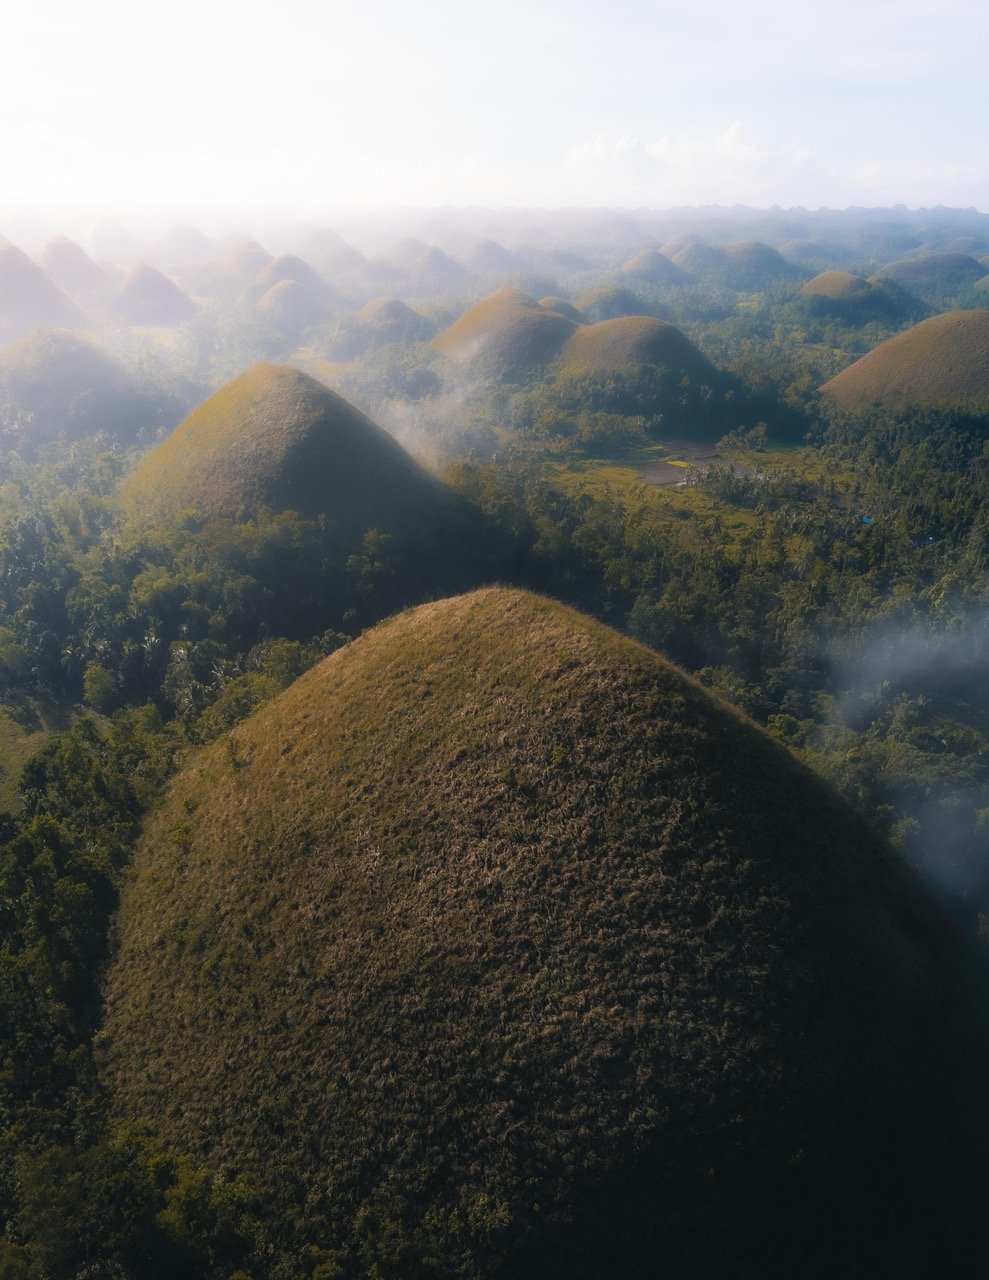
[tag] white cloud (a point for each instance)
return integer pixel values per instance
(727, 167)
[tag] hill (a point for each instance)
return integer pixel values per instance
(490, 256)
(392, 320)
(29, 298)
(286, 266)
(634, 343)
(609, 302)
(146, 297)
(496, 947)
(56, 383)
(941, 361)
(749, 264)
(560, 305)
(73, 270)
(934, 270)
(653, 267)
(275, 437)
(508, 332)
(289, 308)
(836, 286)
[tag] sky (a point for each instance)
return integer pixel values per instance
(312, 104)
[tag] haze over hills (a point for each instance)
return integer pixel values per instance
(508, 331)
(940, 361)
(57, 383)
(29, 298)
(147, 297)
(549, 957)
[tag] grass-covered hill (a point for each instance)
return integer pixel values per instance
(496, 947)
(490, 256)
(937, 270)
(289, 308)
(146, 297)
(276, 438)
(609, 302)
(750, 264)
(634, 343)
(287, 266)
(390, 319)
(508, 332)
(941, 361)
(29, 297)
(653, 267)
(55, 383)
(560, 305)
(836, 286)
(73, 270)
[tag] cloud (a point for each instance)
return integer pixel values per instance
(727, 168)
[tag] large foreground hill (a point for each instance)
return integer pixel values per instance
(495, 947)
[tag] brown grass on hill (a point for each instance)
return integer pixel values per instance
(941, 361)
(836, 285)
(497, 946)
(634, 342)
(275, 437)
(508, 331)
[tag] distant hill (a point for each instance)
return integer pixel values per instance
(836, 286)
(146, 297)
(750, 265)
(287, 266)
(74, 271)
(941, 361)
(507, 332)
(702, 261)
(276, 438)
(290, 308)
(609, 302)
(183, 246)
(933, 268)
(563, 308)
(497, 946)
(632, 343)
(490, 256)
(29, 298)
(853, 298)
(392, 320)
(55, 383)
(652, 267)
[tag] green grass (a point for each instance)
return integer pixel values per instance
(495, 946)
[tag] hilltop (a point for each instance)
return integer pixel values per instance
(497, 946)
(275, 437)
(508, 332)
(30, 298)
(73, 270)
(146, 297)
(289, 308)
(941, 361)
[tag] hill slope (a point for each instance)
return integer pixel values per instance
(496, 947)
(634, 343)
(275, 437)
(29, 298)
(941, 361)
(508, 332)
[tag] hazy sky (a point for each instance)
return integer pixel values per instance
(616, 102)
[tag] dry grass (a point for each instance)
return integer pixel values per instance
(941, 361)
(495, 940)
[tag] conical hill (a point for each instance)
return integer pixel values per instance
(275, 437)
(507, 331)
(942, 361)
(497, 947)
(29, 298)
